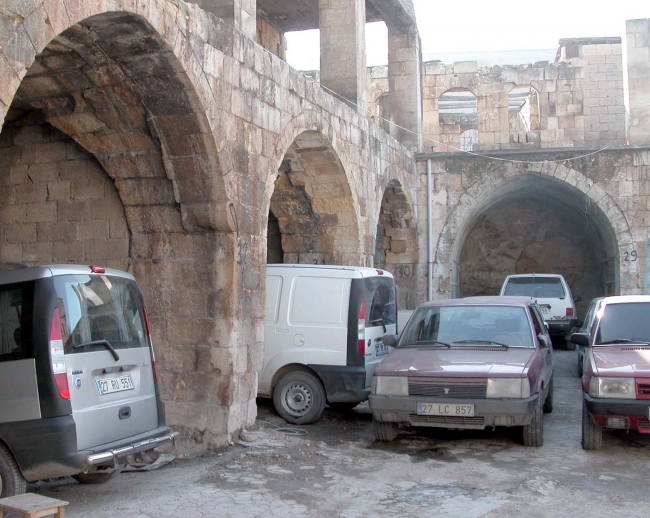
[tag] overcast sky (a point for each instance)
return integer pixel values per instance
(489, 25)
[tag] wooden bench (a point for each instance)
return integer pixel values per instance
(31, 505)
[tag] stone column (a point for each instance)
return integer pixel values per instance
(405, 80)
(638, 74)
(343, 49)
(241, 14)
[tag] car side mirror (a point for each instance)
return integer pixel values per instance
(575, 322)
(543, 341)
(581, 339)
(390, 340)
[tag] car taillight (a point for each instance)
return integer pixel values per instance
(569, 313)
(57, 356)
(153, 356)
(362, 328)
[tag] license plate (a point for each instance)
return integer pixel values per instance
(445, 409)
(111, 385)
(545, 311)
(381, 348)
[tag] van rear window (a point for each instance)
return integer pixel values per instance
(16, 322)
(538, 287)
(100, 307)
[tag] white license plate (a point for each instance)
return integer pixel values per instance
(381, 348)
(110, 385)
(445, 409)
(545, 311)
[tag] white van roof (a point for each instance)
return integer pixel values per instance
(519, 275)
(348, 272)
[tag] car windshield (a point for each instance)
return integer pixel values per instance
(624, 324)
(468, 325)
(537, 287)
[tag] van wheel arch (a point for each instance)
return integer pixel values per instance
(12, 481)
(292, 367)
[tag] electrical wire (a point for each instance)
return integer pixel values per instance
(347, 101)
(294, 432)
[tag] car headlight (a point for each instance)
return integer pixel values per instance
(619, 388)
(390, 386)
(518, 388)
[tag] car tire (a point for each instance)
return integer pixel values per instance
(592, 435)
(299, 398)
(97, 477)
(384, 431)
(342, 407)
(12, 481)
(533, 433)
(548, 402)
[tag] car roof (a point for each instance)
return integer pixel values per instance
(32, 273)
(495, 300)
(520, 275)
(348, 271)
(623, 299)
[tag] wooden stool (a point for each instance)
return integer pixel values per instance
(31, 505)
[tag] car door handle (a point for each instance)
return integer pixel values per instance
(125, 412)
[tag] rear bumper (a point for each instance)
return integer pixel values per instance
(559, 327)
(47, 448)
(487, 412)
(343, 384)
(636, 411)
(111, 456)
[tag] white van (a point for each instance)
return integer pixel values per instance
(324, 336)
(553, 296)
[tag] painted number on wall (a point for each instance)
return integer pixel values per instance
(405, 270)
(630, 256)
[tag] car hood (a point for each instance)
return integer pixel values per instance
(462, 362)
(622, 361)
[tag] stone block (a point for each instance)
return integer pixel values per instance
(37, 253)
(41, 212)
(465, 67)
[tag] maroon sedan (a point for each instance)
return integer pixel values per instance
(616, 379)
(467, 363)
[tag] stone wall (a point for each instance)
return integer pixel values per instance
(271, 39)
(57, 205)
(638, 75)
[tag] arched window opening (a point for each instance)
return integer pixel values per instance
(523, 115)
(458, 114)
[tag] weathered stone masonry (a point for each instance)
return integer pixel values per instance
(183, 123)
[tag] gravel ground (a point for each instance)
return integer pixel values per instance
(337, 470)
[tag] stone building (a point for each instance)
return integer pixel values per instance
(171, 139)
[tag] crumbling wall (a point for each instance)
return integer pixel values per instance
(271, 38)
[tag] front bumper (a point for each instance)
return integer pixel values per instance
(487, 412)
(637, 411)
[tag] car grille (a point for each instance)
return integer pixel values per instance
(643, 389)
(436, 387)
(442, 421)
(644, 425)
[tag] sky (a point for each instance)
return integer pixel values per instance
(448, 26)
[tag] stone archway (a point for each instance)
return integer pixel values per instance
(314, 205)
(396, 243)
(117, 108)
(568, 188)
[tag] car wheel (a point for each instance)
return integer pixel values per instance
(592, 435)
(95, 477)
(548, 402)
(299, 398)
(533, 433)
(12, 481)
(384, 431)
(342, 407)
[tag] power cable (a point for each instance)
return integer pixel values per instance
(295, 432)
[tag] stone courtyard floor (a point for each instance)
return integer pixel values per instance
(337, 470)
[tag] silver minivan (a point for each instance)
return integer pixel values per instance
(78, 383)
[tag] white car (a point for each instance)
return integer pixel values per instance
(553, 296)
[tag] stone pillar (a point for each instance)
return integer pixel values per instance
(405, 80)
(241, 14)
(343, 49)
(638, 77)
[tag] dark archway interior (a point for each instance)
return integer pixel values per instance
(540, 228)
(312, 218)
